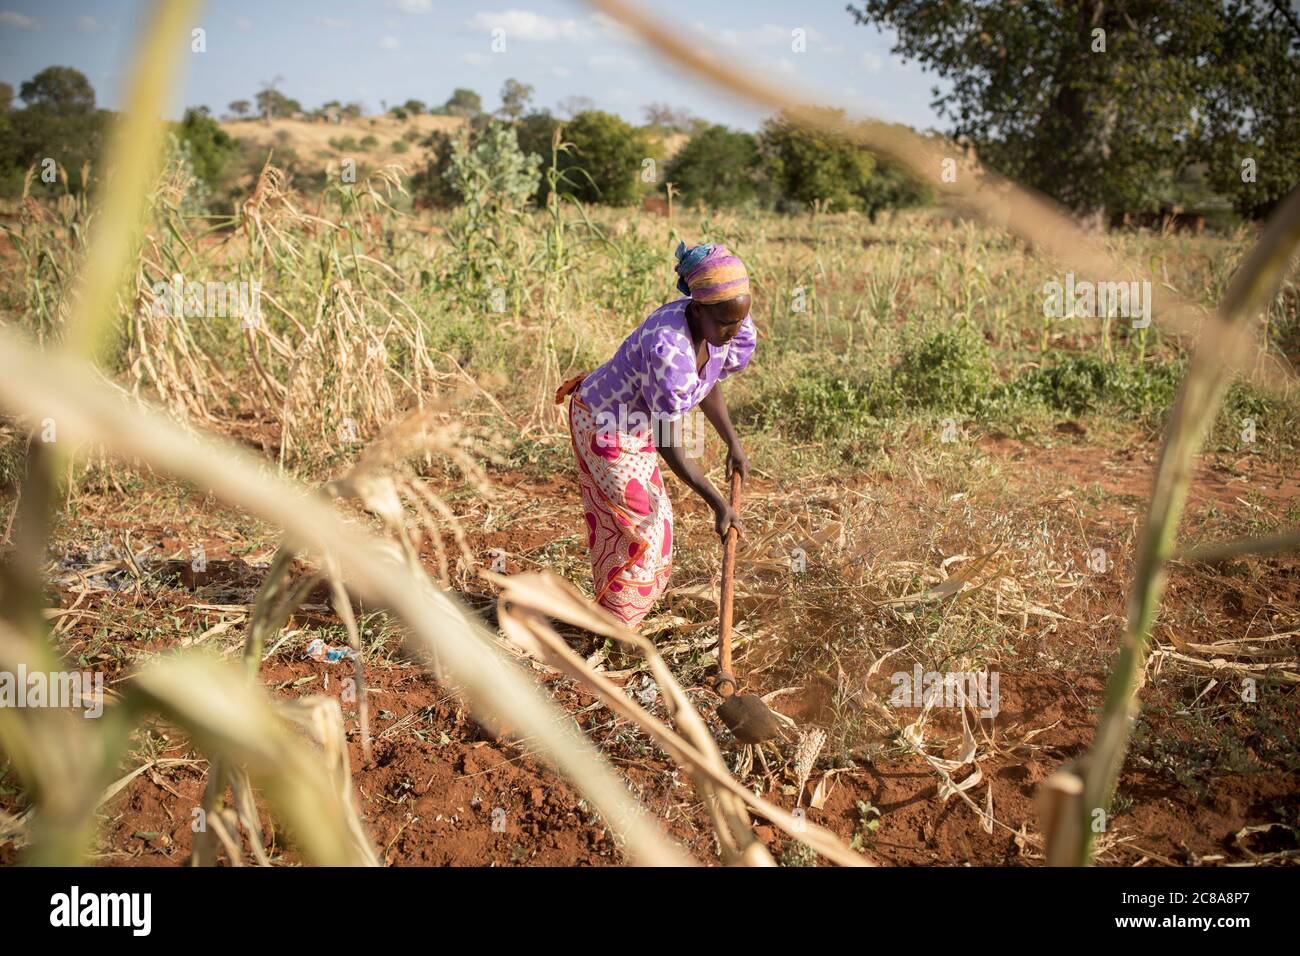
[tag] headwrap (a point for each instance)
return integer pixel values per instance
(710, 273)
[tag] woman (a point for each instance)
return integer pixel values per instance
(633, 409)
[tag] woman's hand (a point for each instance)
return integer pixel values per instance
(724, 518)
(737, 460)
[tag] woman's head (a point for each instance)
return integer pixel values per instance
(718, 285)
(718, 322)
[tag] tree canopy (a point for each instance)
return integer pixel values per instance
(807, 166)
(1104, 103)
(718, 167)
(58, 88)
(59, 123)
(463, 102)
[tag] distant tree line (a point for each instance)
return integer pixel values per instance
(59, 132)
(59, 121)
(599, 157)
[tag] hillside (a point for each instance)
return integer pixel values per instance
(318, 142)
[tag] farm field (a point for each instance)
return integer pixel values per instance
(316, 551)
(917, 422)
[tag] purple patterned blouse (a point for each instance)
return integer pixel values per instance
(654, 370)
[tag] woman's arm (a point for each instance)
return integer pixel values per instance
(672, 449)
(715, 410)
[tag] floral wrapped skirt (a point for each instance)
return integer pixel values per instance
(628, 513)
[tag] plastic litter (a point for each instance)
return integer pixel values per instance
(318, 650)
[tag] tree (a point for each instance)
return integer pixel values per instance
(892, 186)
(6, 97)
(571, 106)
(59, 88)
(59, 122)
(515, 97)
(610, 152)
(492, 174)
(463, 102)
(239, 107)
(272, 103)
(536, 135)
(1252, 128)
(415, 107)
(718, 167)
(209, 146)
(1101, 103)
(806, 165)
(429, 184)
(670, 119)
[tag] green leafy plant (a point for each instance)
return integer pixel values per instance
(868, 824)
(949, 370)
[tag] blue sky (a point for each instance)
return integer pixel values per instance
(391, 50)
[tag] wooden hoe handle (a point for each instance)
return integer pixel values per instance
(726, 684)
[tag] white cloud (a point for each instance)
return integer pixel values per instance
(412, 6)
(871, 63)
(560, 70)
(474, 59)
(768, 35)
(527, 25)
(333, 23)
(88, 24)
(390, 43)
(11, 18)
(610, 61)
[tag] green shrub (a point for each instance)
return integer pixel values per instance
(819, 402)
(1272, 416)
(209, 147)
(1145, 391)
(947, 371)
(1076, 384)
(492, 174)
